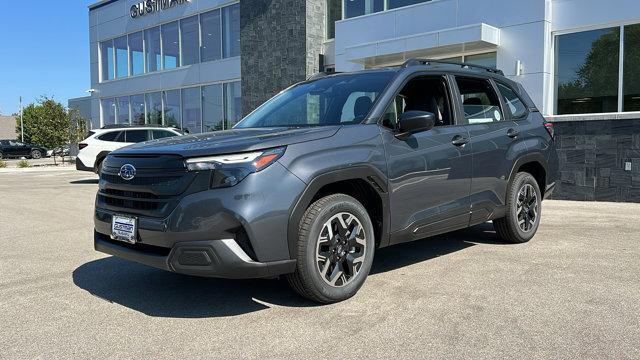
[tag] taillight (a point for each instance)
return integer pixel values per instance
(82, 146)
(549, 127)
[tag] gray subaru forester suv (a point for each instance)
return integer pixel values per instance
(312, 182)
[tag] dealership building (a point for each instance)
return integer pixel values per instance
(202, 64)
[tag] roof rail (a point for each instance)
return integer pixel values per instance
(125, 126)
(322, 74)
(416, 62)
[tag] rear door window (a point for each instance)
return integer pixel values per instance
(479, 101)
(136, 136)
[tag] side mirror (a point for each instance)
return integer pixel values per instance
(412, 122)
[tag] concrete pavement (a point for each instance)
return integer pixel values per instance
(572, 292)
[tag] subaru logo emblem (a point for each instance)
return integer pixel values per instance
(127, 172)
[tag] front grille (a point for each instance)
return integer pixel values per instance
(158, 185)
(131, 194)
(144, 206)
(158, 181)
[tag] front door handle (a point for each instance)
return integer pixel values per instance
(460, 140)
(513, 133)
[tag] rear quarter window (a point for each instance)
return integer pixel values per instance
(115, 136)
(515, 106)
(160, 134)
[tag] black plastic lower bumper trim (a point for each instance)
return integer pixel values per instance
(210, 258)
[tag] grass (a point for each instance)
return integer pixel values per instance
(23, 164)
(3, 164)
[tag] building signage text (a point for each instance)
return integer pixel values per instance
(150, 6)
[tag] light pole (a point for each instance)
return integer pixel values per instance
(21, 122)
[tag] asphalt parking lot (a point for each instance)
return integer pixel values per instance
(572, 292)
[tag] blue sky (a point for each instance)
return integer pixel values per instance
(44, 50)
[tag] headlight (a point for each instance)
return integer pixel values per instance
(228, 170)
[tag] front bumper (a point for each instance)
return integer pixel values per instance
(208, 258)
(236, 232)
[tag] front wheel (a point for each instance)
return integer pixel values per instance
(524, 205)
(335, 249)
(36, 154)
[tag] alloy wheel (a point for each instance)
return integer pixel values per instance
(527, 207)
(341, 249)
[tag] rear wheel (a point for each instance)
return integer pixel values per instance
(1, 155)
(36, 154)
(524, 205)
(335, 249)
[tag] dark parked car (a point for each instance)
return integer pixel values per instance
(311, 183)
(15, 148)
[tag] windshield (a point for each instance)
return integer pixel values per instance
(333, 100)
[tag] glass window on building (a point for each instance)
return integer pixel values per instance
(170, 46)
(153, 56)
(212, 108)
(400, 3)
(108, 112)
(154, 108)
(137, 109)
(211, 36)
(487, 59)
(334, 13)
(231, 30)
(191, 112)
(172, 111)
(586, 73)
(353, 8)
(631, 78)
(190, 40)
(122, 108)
(136, 53)
(107, 60)
(122, 57)
(233, 104)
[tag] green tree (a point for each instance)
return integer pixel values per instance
(46, 123)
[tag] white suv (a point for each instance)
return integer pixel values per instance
(103, 141)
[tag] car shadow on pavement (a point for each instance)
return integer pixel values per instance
(160, 293)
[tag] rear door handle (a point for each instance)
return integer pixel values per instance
(460, 140)
(513, 133)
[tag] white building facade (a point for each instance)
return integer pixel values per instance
(202, 64)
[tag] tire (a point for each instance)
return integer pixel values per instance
(1, 155)
(99, 166)
(347, 259)
(521, 223)
(36, 154)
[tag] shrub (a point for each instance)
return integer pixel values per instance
(3, 164)
(23, 164)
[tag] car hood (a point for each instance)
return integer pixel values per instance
(228, 141)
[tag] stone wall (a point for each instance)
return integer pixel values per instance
(279, 45)
(593, 155)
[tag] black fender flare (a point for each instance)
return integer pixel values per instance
(529, 158)
(368, 173)
(99, 158)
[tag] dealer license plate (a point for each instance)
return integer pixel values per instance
(123, 228)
